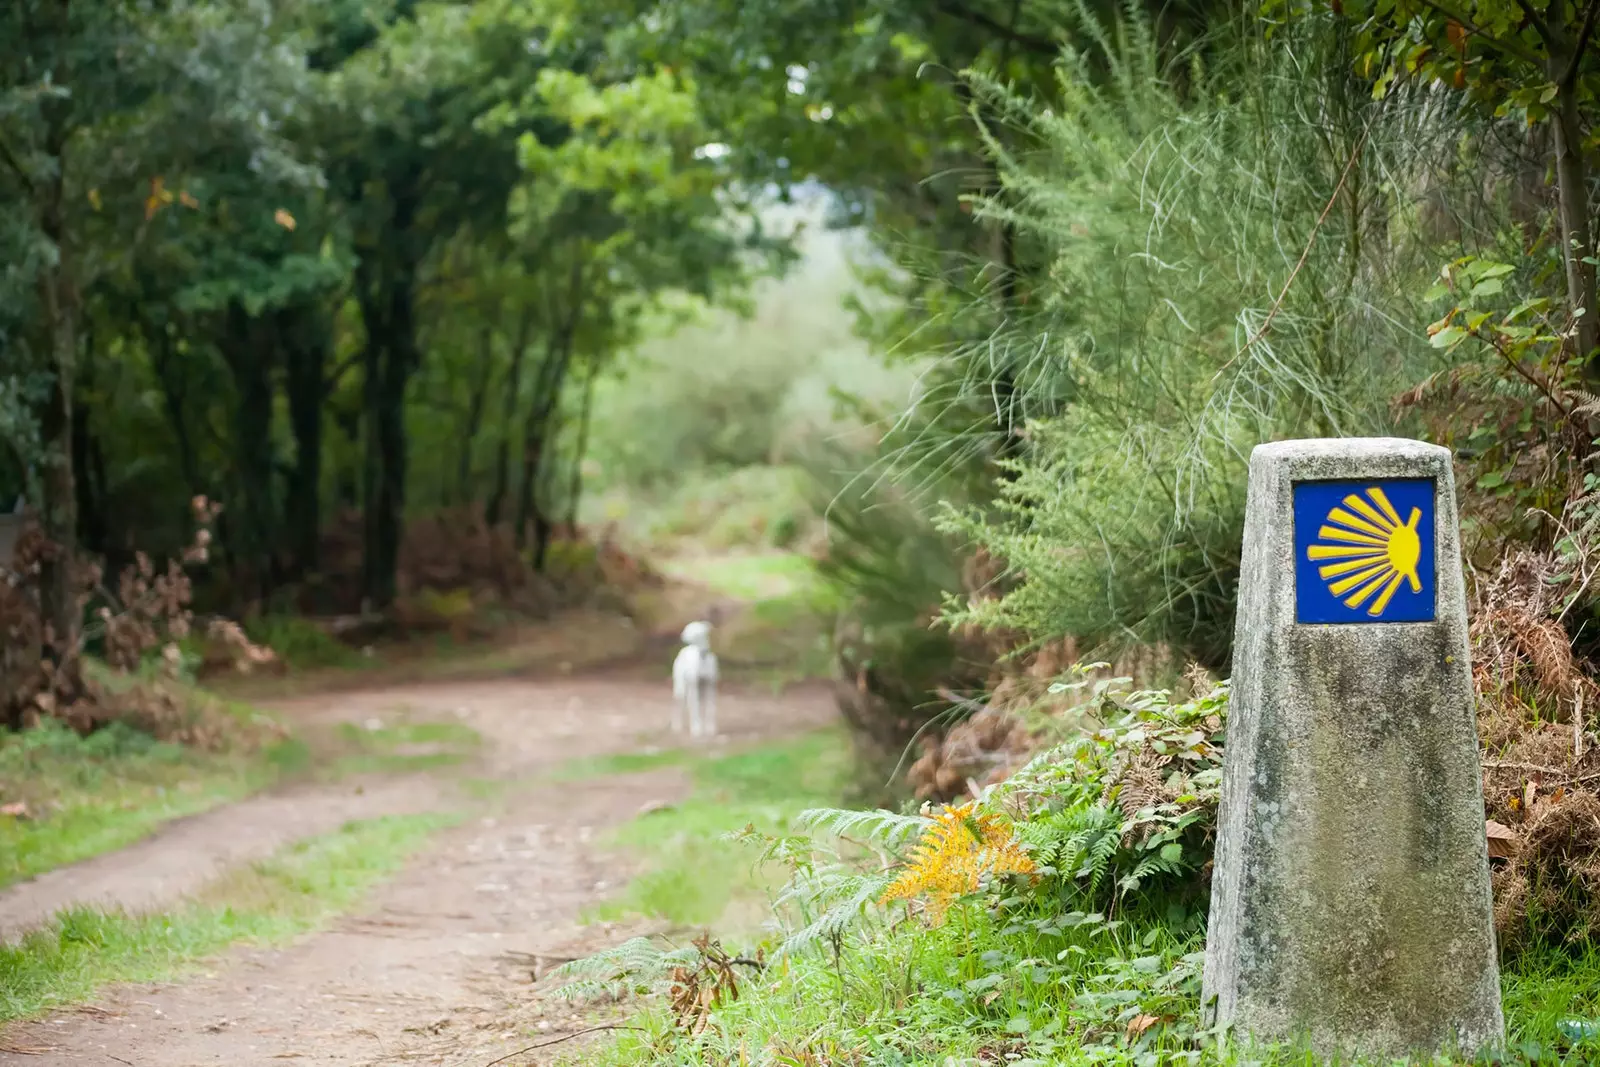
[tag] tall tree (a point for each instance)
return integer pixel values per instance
(1535, 58)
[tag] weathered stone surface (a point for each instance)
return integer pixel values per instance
(1350, 898)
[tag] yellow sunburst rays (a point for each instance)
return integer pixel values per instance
(1373, 551)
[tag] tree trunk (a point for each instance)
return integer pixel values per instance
(532, 460)
(305, 369)
(475, 405)
(89, 483)
(391, 357)
(386, 292)
(173, 396)
(58, 511)
(250, 349)
(581, 447)
(537, 430)
(1572, 185)
(502, 453)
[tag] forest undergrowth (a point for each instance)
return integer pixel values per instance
(1276, 232)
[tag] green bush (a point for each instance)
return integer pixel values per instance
(732, 391)
(1092, 957)
(889, 569)
(1222, 271)
(300, 643)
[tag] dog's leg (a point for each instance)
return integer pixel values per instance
(711, 706)
(692, 693)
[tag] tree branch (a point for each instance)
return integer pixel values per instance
(1540, 25)
(1584, 33)
(1509, 47)
(564, 1037)
(957, 10)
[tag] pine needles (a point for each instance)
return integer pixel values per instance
(1234, 257)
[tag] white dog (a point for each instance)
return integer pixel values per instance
(694, 682)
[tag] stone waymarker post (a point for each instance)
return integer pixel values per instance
(1350, 896)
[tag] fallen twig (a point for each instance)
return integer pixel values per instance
(564, 1037)
(1510, 765)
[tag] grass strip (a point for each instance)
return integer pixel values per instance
(692, 874)
(83, 796)
(269, 902)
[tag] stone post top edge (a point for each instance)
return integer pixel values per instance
(1338, 448)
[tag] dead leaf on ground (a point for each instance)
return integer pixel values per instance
(1503, 841)
(435, 1027)
(1140, 1023)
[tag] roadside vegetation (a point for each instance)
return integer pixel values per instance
(69, 798)
(400, 335)
(268, 903)
(694, 876)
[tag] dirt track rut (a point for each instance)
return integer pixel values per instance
(437, 967)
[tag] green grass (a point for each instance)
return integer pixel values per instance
(86, 796)
(405, 748)
(785, 633)
(692, 875)
(1547, 987)
(301, 644)
(298, 889)
(620, 763)
(1013, 977)
(750, 577)
(973, 993)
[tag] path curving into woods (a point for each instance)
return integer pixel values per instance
(439, 962)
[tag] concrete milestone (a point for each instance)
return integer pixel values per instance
(1350, 897)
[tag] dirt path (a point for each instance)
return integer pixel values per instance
(188, 853)
(430, 970)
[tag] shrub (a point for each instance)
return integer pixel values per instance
(1059, 911)
(1223, 270)
(300, 643)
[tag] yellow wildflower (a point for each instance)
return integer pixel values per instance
(954, 855)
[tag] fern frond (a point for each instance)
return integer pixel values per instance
(847, 911)
(883, 829)
(636, 963)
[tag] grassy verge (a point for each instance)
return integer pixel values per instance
(972, 993)
(404, 748)
(692, 875)
(621, 763)
(85, 796)
(784, 634)
(1092, 956)
(265, 903)
(755, 507)
(751, 577)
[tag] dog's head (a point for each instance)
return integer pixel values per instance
(697, 633)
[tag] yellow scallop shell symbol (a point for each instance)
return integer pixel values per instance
(1370, 551)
